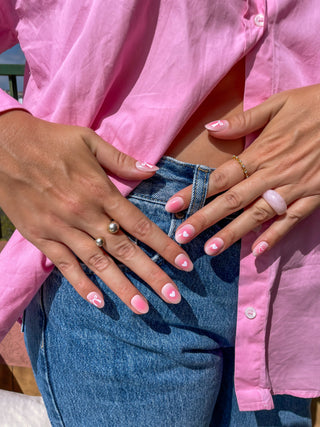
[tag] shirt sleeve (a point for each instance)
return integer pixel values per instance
(8, 39)
(8, 23)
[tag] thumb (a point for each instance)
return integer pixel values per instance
(246, 122)
(117, 162)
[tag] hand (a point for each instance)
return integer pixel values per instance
(285, 157)
(55, 190)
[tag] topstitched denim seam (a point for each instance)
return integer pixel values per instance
(43, 352)
(147, 199)
(201, 182)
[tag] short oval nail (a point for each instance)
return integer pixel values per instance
(217, 125)
(171, 293)
(174, 204)
(215, 246)
(146, 167)
(260, 248)
(185, 233)
(182, 261)
(95, 299)
(140, 304)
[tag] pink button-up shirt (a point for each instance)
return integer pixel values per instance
(134, 72)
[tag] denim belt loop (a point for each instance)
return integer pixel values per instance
(199, 188)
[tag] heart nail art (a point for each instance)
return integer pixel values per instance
(183, 262)
(95, 299)
(171, 294)
(185, 233)
(214, 247)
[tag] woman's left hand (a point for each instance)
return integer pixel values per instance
(285, 157)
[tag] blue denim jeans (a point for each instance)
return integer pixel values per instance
(170, 367)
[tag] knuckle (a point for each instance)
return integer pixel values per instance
(113, 204)
(87, 134)
(121, 159)
(64, 266)
(261, 214)
(142, 228)
(294, 216)
(232, 200)
(219, 179)
(169, 249)
(230, 235)
(99, 262)
(157, 275)
(124, 250)
(240, 120)
(75, 205)
(201, 220)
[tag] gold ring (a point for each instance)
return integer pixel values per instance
(244, 169)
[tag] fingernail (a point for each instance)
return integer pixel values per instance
(140, 304)
(182, 261)
(185, 233)
(146, 167)
(214, 247)
(95, 299)
(217, 125)
(174, 204)
(171, 293)
(260, 248)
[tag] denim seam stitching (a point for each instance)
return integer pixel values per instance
(204, 189)
(43, 353)
(147, 199)
(194, 191)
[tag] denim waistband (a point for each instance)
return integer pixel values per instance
(172, 176)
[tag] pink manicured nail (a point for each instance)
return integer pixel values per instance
(185, 233)
(95, 299)
(214, 246)
(217, 125)
(173, 205)
(183, 262)
(260, 248)
(140, 304)
(146, 167)
(171, 293)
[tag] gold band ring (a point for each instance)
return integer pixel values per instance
(244, 169)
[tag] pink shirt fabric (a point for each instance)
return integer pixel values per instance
(134, 72)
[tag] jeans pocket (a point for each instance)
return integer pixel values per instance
(156, 212)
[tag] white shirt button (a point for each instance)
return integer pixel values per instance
(259, 20)
(250, 312)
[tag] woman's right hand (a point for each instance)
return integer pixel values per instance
(55, 189)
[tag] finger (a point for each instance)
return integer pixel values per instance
(68, 265)
(258, 213)
(233, 200)
(133, 221)
(125, 251)
(222, 178)
(104, 267)
(282, 225)
(246, 122)
(131, 255)
(117, 162)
